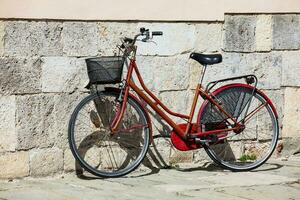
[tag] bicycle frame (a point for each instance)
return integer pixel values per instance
(154, 103)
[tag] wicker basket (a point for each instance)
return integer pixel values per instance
(105, 70)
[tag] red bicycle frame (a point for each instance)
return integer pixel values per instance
(154, 103)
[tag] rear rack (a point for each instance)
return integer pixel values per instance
(249, 79)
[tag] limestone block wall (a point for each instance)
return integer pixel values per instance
(43, 74)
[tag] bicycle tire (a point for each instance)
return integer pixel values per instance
(117, 142)
(226, 153)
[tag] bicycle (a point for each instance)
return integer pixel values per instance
(110, 130)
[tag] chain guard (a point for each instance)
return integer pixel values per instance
(185, 145)
(190, 144)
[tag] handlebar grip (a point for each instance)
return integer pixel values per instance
(154, 33)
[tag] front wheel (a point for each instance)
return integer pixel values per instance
(246, 150)
(92, 144)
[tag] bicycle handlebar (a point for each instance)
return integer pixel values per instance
(143, 32)
(128, 42)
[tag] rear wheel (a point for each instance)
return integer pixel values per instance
(95, 148)
(250, 148)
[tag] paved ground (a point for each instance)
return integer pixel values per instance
(276, 180)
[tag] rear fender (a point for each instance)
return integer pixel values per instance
(237, 85)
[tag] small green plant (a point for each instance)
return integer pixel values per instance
(246, 157)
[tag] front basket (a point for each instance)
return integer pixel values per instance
(105, 70)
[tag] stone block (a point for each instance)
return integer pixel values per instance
(290, 68)
(64, 104)
(8, 138)
(112, 32)
(34, 121)
(2, 33)
(263, 33)
(239, 33)
(208, 37)
(45, 162)
(42, 120)
(69, 161)
(290, 146)
(266, 66)
(80, 38)
(159, 126)
(180, 156)
(177, 38)
(195, 73)
(198, 104)
(168, 73)
(29, 38)
(176, 101)
(63, 74)
(18, 76)
(200, 157)
(14, 165)
(286, 32)
(158, 154)
(147, 70)
(277, 98)
(291, 125)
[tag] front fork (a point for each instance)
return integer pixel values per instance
(123, 96)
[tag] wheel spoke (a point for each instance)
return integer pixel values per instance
(119, 153)
(251, 147)
(255, 111)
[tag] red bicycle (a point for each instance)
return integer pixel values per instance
(110, 130)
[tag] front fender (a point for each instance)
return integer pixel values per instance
(114, 89)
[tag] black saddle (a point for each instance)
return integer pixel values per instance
(206, 59)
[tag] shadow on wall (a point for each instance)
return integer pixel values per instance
(153, 161)
(115, 152)
(102, 151)
(93, 139)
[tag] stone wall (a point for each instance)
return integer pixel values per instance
(43, 74)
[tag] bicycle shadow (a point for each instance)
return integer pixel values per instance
(154, 160)
(207, 166)
(268, 167)
(125, 142)
(92, 140)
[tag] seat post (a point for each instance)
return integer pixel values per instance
(203, 73)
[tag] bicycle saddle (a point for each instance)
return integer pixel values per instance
(206, 59)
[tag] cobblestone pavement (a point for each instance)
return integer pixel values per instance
(278, 179)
